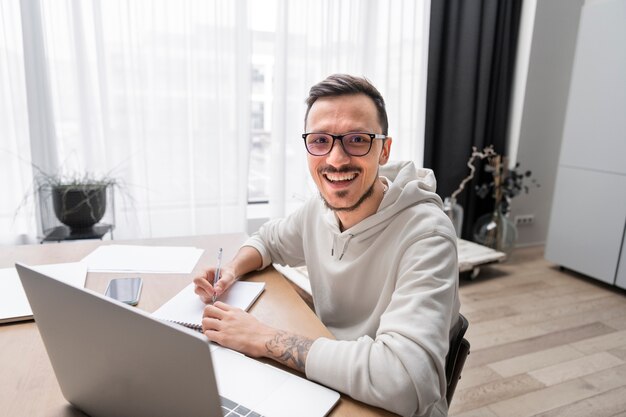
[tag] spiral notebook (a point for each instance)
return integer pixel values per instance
(186, 308)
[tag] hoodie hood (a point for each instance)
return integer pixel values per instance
(408, 187)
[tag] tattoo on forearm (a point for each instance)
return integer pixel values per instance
(289, 349)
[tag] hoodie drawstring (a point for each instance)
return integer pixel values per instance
(345, 246)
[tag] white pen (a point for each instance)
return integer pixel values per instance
(217, 273)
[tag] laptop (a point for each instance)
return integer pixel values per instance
(111, 359)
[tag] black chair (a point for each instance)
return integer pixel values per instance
(459, 349)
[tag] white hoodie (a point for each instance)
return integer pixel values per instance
(387, 288)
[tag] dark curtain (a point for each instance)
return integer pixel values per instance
(471, 61)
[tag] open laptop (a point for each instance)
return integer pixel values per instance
(111, 359)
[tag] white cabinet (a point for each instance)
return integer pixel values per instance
(588, 217)
(587, 222)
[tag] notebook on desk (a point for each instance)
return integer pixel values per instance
(186, 308)
(13, 302)
(111, 359)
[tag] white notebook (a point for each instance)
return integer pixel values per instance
(186, 307)
(14, 305)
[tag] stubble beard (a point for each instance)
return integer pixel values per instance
(342, 194)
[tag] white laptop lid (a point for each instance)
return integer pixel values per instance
(111, 359)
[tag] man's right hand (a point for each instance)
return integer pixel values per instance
(204, 283)
(246, 260)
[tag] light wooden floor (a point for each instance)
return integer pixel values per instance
(543, 343)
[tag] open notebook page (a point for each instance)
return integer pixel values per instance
(186, 307)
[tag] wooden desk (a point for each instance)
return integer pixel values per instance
(28, 386)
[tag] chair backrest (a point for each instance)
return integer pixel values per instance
(457, 353)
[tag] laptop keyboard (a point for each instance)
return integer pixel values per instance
(232, 409)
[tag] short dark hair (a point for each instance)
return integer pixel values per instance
(344, 84)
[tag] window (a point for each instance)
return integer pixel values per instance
(197, 106)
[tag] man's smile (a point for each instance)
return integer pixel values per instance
(340, 178)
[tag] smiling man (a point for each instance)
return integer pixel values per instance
(381, 257)
(347, 174)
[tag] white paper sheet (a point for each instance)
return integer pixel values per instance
(186, 306)
(14, 304)
(149, 259)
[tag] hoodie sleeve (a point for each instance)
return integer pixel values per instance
(280, 241)
(402, 369)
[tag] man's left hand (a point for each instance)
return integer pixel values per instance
(233, 328)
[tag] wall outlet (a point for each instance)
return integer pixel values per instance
(524, 220)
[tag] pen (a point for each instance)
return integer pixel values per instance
(217, 273)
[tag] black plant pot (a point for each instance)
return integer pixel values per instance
(79, 207)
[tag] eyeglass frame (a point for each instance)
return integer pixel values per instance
(372, 136)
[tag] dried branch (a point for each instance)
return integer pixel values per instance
(485, 153)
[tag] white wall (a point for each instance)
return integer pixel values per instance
(542, 106)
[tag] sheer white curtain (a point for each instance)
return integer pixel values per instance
(153, 93)
(383, 40)
(15, 170)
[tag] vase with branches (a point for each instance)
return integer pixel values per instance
(495, 229)
(450, 205)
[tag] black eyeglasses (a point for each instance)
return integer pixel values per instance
(354, 143)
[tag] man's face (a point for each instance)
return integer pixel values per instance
(345, 182)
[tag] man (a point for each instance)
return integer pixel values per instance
(381, 257)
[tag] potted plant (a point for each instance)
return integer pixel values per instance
(79, 202)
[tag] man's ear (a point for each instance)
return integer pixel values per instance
(384, 154)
